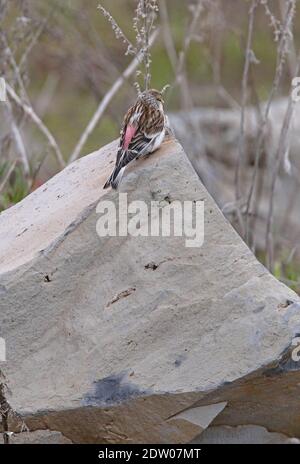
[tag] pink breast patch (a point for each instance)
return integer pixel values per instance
(129, 134)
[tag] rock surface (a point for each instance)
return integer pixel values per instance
(139, 339)
(39, 437)
(244, 435)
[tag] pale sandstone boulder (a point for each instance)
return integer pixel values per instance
(139, 339)
(243, 435)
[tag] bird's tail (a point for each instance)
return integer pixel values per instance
(123, 158)
(115, 178)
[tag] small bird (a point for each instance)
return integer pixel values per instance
(142, 133)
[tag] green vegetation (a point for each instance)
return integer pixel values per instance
(16, 189)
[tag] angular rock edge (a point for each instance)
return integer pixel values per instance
(121, 339)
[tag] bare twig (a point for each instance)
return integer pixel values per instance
(228, 98)
(167, 34)
(281, 55)
(16, 70)
(252, 10)
(7, 175)
(282, 149)
(34, 40)
(197, 9)
(146, 43)
(5, 410)
(292, 55)
(143, 24)
(39, 123)
(18, 139)
(189, 36)
(148, 10)
(118, 31)
(107, 98)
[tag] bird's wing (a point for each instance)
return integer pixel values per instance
(131, 124)
(129, 135)
(139, 126)
(129, 129)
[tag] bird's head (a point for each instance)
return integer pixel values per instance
(153, 97)
(157, 95)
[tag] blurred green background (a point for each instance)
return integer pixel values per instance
(77, 58)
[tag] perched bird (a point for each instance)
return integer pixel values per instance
(142, 133)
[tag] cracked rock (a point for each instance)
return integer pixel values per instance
(206, 337)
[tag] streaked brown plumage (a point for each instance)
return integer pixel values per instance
(142, 132)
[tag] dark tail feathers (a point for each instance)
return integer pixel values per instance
(113, 180)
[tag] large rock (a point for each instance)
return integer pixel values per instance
(139, 339)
